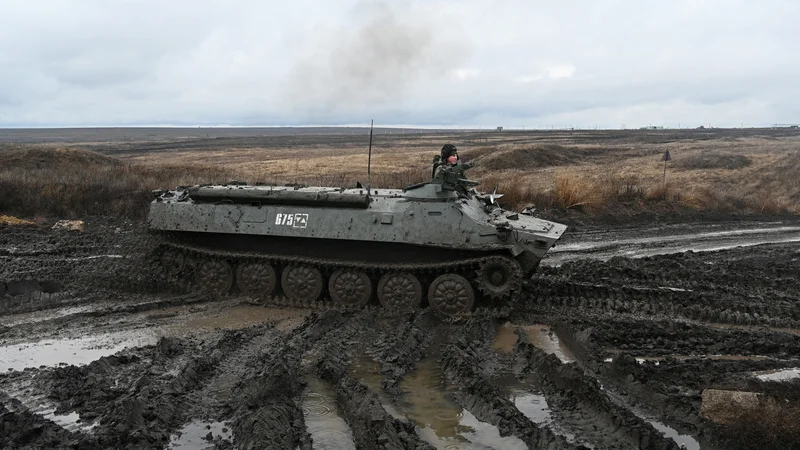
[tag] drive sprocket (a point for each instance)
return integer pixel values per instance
(499, 277)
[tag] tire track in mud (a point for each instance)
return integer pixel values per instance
(266, 411)
(741, 287)
(580, 404)
(371, 424)
(657, 337)
(402, 347)
(460, 363)
(22, 429)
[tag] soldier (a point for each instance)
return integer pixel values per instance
(447, 158)
(448, 168)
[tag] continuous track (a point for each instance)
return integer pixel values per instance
(181, 262)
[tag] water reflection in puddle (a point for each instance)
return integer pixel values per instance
(532, 405)
(541, 336)
(530, 402)
(21, 398)
(51, 352)
(657, 359)
(237, 317)
(546, 339)
(778, 375)
(505, 339)
(425, 402)
(195, 435)
(323, 417)
(41, 316)
(683, 440)
(69, 421)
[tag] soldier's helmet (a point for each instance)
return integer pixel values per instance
(448, 150)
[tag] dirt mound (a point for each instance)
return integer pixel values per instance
(35, 157)
(713, 160)
(531, 157)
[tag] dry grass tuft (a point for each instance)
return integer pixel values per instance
(594, 178)
(773, 424)
(14, 221)
(76, 183)
(573, 191)
(713, 160)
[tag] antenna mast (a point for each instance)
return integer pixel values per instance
(369, 158)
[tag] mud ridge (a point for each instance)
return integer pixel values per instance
(580, 402)
(460, 362)
(141, 401)
(372, 426)
(402, 348)
(663, 337)
(22, 429)
(266, 409)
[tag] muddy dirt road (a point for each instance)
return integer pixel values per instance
(610, 346)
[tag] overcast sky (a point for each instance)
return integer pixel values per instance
(464, 63)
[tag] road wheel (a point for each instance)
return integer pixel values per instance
(172, 262)
(350, 287)
(451, 294)
(499, 277)
(215, 276)
(302, 283)
(256, 279)
(399, 290)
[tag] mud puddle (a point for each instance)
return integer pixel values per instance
(324, 418)
(657, 359)
(52, 352)
(368, 372)
(530, 401)
(439, 421)
(533, 405)
(607, 245)
(541, 336)
(197, 435)
(19, 397)
(603, 243)
(42, 316)
(779, 375)
(70, 422)
(237, 317)
(683, 440)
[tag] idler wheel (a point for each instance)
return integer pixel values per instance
(451, 294)
(256, 279)
(302, 283)
(399, 290)
(499, 276)
(172, 261)
(215, 276)
(350, 287)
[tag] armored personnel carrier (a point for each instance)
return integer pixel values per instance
(440, 242)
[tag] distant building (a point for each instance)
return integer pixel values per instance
(499, 128)
(651, 127)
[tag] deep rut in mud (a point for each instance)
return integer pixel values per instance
(610, 354)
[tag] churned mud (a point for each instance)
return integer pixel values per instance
(600, 351)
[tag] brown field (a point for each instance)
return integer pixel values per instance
(573, 175)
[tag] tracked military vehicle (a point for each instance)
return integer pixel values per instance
(441, 243)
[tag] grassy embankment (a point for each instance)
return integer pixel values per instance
(744, 176)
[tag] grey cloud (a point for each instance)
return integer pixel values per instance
(247, 62)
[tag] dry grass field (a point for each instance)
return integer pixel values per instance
(579, 175)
